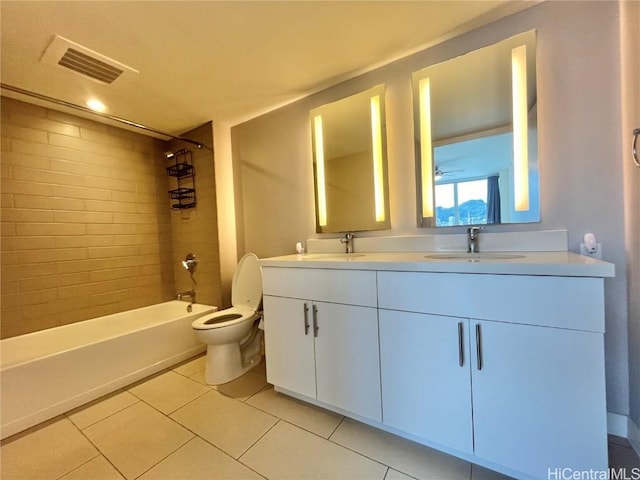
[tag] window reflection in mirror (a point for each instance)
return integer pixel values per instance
(350, 163)
(476, 153)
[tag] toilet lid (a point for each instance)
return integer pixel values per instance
(246, 289)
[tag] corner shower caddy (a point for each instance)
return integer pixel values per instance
(184, 172)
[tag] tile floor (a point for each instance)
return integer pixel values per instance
(174, 426)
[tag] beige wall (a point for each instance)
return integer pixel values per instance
(85, 220)
(580, 148)
(195, 230)
(225, 195)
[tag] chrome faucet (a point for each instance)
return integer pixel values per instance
(189, 293)
(348, 242)
(473, 239)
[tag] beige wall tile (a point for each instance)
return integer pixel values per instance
(20, 108)
(25, 159)
(84, 232)
(43, 124)
(43, 202)
(79, 144)
(80, 168)
(26, 215)
(24, 133)
(82, 217)
(193, 228)
(117, 185)
(9, 185)
(48, 229)
(28, 243)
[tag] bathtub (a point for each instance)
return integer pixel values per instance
(46, 373)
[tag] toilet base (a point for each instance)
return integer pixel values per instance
(228, 362)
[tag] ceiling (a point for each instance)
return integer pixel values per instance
(225, 61)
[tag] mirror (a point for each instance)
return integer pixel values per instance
(476, 137)
(350, 163)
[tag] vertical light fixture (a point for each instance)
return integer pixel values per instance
(426, 151)
(520, 128)
(320, 186)
(378, 174)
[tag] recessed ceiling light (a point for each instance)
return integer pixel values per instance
(96, 105)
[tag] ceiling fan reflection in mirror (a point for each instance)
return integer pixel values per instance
(440, 173)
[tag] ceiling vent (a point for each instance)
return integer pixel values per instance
(84, 61)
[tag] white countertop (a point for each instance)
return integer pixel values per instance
(566, 264)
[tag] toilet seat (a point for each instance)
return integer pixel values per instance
(224, 318)
(246, 297)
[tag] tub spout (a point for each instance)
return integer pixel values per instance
(191, 294)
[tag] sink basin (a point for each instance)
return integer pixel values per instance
(474, 256)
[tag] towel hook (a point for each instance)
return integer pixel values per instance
(634, 152)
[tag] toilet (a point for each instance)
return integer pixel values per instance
(234, 341)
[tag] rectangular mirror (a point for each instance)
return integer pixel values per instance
(476, 137)
(350, 163)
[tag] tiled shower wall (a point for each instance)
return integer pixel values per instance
(86, 226)
(195, 230)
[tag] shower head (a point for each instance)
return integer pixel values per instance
(182, 151)
(190, 262)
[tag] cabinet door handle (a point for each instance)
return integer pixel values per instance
(460, 345)
(306, 319)
(479, 346)
(315, 321)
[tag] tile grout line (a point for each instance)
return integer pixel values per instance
(336, 429)
(166, 456)
(378, 461)
(339, 445)
(101, 453)
(139, 400)
(99, 400)
(196, 435)
(266, 387)
(253, 444)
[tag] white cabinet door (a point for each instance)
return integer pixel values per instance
(347, 358)
(538, 398)
(426, 383)
(289, 345)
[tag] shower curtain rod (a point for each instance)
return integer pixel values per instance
(93, 112)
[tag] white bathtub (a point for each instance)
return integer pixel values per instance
(46, 373)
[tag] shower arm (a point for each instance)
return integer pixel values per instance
(108, 116)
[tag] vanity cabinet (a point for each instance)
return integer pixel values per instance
(502, 369)
(321, 337)
(539, 398)
(426, 379)
(290, 346)
(493, 377)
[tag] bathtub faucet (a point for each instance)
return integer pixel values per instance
(189, 293)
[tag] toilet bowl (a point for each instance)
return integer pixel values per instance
(234, 341)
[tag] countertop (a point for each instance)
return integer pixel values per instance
(566, 264)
